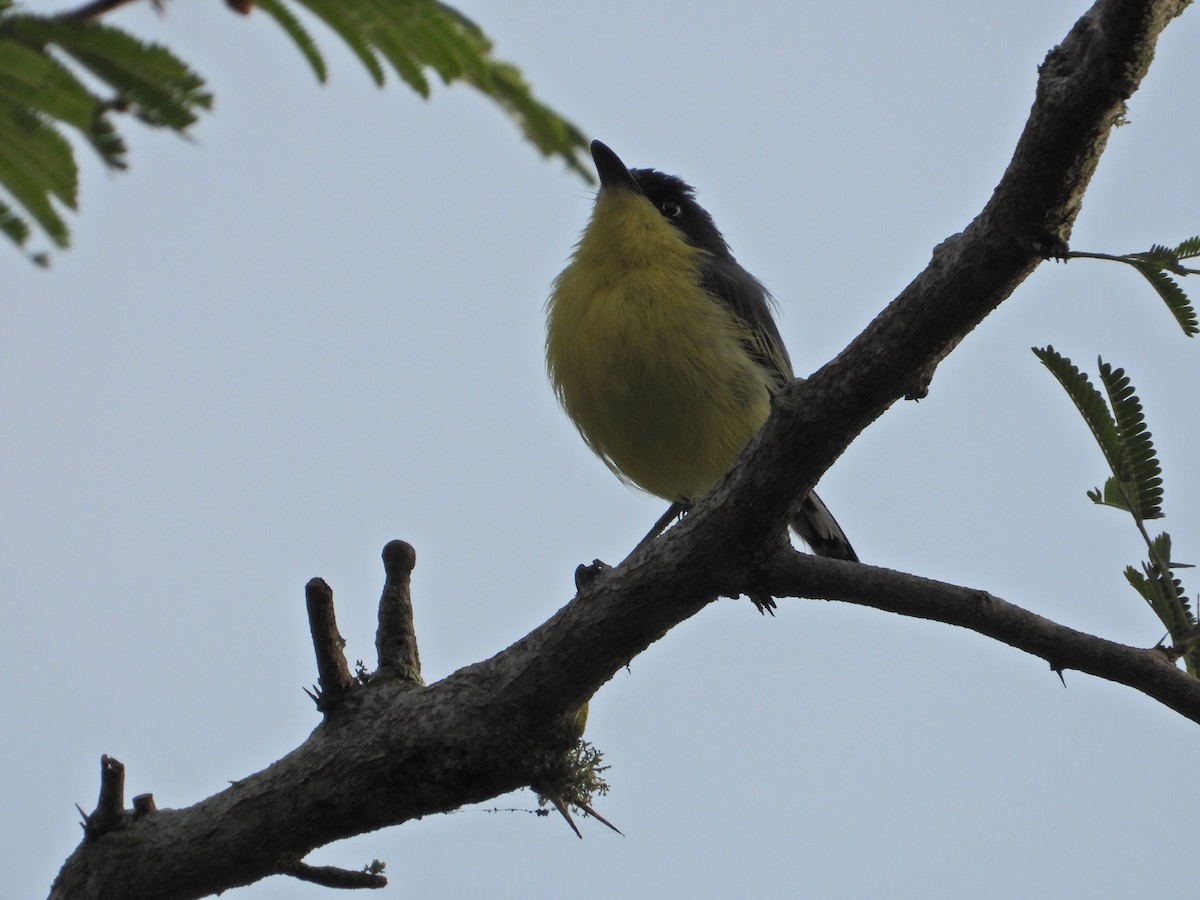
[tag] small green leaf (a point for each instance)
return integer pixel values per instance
(414, 36)
(1189, 248)
(299, 35)
(1158, 255)
(36, 165)
(39, 93)
(1140, 473)
(1173, 295)
(1167, 599)
(163, 89)
(1091, 405)
(12, 225)
(1142, 585)
(345, 22)
(1115, 494)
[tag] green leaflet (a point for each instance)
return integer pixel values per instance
(160, 88)
(1172, 294)
(1154, 265)
(416, 36)
(1166, 597)
(1189, 248)
(36, 166)
(40, 90)
(1135, 486)
(40, 93)
(299, 35)
(345, 21)
(1139, 465)
(1091, 405)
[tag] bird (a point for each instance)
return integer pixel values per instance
(663, 350)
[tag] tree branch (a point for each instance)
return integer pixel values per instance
(1083, 86)
(333, 877)
(333, 674)
(396, 639)
(1151, 671)
(110, 813)
(396, 751)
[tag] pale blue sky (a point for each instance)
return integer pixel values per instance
(319, 327)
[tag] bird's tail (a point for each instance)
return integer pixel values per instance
(819, 529)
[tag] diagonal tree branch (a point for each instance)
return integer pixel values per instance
(1152, 671)
(394, 751)
(1081, 94)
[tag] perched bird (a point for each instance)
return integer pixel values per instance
(662, 349)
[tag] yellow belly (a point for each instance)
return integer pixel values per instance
(654, 373)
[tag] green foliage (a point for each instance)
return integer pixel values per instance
(40, 93)
(299, 35)
(1136, 481)
(1135, 486)
(1157, 265)
(42, 59)
(1159, 587)
(1139, 476)
(415, 36)
(1172, 294)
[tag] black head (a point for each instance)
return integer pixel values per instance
(676, 200)
(673, 197)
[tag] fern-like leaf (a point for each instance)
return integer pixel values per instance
(1140, 468)
(416, 36)
(1172, 294)
(1189, 248)
(13, 226)
(1090, 403)
(544, 128)
(1135, 486)
(32, 80)
(1158, 255)
(36, 168)
(388, 36)
(343, 20)
(1115, 493)
(299, 35)
(159, 87)
(1160, 553)
(39, 93)
(433, 40)
(1164, 593)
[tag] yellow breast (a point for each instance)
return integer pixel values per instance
(654, 372)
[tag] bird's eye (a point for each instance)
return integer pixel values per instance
(670, 208)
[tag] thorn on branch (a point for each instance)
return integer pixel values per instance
(110, 812)
(333, 877)
(332, 672)
(763, 602)
(395, 638)
(1058, 670)
(572, 779)
(561, 806)
(566, 814)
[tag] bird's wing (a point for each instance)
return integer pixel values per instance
(751, 303)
